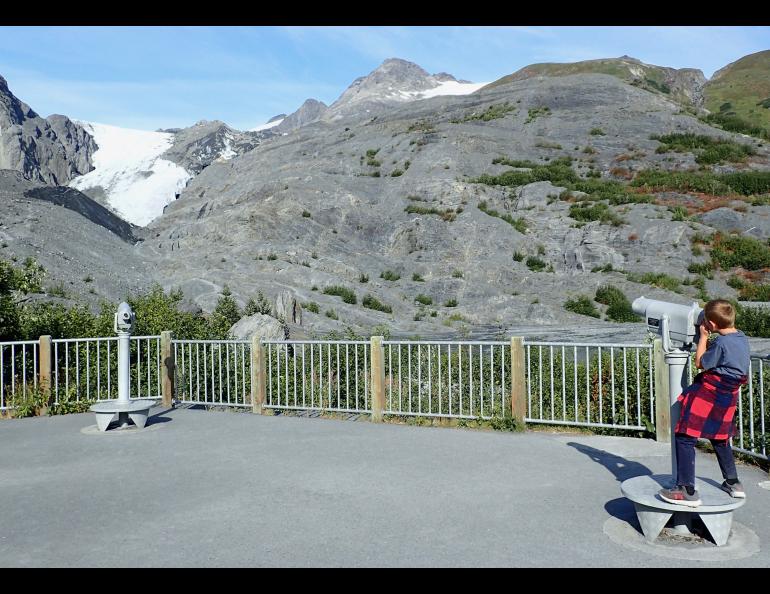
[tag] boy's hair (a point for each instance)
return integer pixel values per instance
(721, 313)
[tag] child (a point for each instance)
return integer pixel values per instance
(708, 405)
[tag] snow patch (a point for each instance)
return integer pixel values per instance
(267, 126)
(137, 183)
(450, 87)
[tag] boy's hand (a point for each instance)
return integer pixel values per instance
(704, 331)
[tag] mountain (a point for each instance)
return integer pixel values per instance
(53, 150)
(684, 85)
(394, 81)
(310, 111)
(742, 89)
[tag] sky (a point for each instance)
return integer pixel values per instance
(163, 77)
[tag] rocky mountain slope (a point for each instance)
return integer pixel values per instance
(53, 150)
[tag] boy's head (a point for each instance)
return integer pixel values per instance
(721, 313)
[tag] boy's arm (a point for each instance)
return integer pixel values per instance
(702, 346)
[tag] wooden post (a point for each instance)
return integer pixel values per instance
(44, 367)
(662, 397)
(518, 380)
(258, 375)
(167, 368)
(378, 378)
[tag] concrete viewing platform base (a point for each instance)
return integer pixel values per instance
(653, 513)
(136, 410)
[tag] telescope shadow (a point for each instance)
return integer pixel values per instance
(622, 469)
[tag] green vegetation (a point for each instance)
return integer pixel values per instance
(582, 305)
(330, 313)
(363, 278)
(450, 303)
(272, 257)
(519, 224)
(88, 279)
(396, 173)
(446, 215)
(311, 306)
(703, 268)
(534, 113)
(597, 132)
(733, 123)
(754, 292)
(457, 274)
(729, 251)
(656, 279)
(708, 150)
(619, 307)
(389, 275)
(260, 305)
(306, 214)
(417, 278)
(548, 145)
(744, 183)
(492, 112)
(589, 150)
(518, 256)
(347, 295)
(598, 211)
(371, 302)
(678, 213)
(535, 264)
(421, 127)
(424, 299)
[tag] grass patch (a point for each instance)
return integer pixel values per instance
(656, 279)
(597, 132)
(536, 112)
(424, 299)
(450, 303)
(619, 307)
(707, 149)
(347, 295)
(744, 183)
(371, 302)
(389, 275)
(598, 211)
(729, 251)
(519, 224)
(417, 278)
(582, 305)
(448, 214)
(535, 264)
(311, 306)
(492, 112)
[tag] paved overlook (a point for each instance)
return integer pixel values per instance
(303, 210)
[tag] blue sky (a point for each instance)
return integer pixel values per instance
(153, 77)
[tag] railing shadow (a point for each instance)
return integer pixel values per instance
(622, 469)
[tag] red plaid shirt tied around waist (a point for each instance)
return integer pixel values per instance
(708, 406)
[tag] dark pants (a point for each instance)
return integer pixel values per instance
(685, 459)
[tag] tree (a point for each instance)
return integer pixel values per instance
(226, 313)
(15, 286)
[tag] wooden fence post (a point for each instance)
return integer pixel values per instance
(662, 397)
(518, 380)
(167, 368)
(44, 367)
(378, 378)
(258, 375)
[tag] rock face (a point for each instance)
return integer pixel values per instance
(310, 111)
(288, 309)
(198, 146)
(266, 327)
(51, 151)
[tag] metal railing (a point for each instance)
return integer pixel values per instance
(332, 375)
(212, 372)
(752, 413)
(18, 370)
(452, 379)
(87, 368)
(590, 384)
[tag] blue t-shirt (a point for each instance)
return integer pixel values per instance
(728, 354)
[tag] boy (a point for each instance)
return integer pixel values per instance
(708, 405)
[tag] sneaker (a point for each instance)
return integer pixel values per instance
(735, 490)
(678, 496)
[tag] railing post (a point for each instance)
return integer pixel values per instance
(44, 367)
(662, 398)
(518, 380)
(167, 368)
(378, 378)
(258, 375)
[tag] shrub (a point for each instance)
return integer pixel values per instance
(457, 274)
(389, 275)
(272, 257)
(597, 132)
(330, 313)
(589, 150)
(347, 295)
(535, 264)
(728, 251)
(582, 305)
(306, 214)
(518, 256)
(88, 279)
(657, 279)
(371, 302)
(417, 278)
(608, 295)
(754, 292)
(596, 212)
(704, 268)
(492, 112)
(678, 213)
(424, 299)
(363, 278)
(619, 307)
(260, 305)
(311, 306)
(396, 173)
(536, 112)
(450, 303)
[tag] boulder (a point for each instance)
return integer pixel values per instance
(536, 194)
(287, 308)
(261, 325)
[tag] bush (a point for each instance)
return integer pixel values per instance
(597, 132)
(372, 302)
(396, 173)
(596, 212)
(311, 306)
(424, 299)
(306, 214)
(330, 313)
(704, 268)
(753, 292)
(728, 251)
(347, 295)
(450, 303)
(657, 279)
(535, 264)
(363, 278)
(518, 256)
(733, 123)
(389, 275)
(417, 278)
(457, 274)
(261, 305)
(582, 305)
